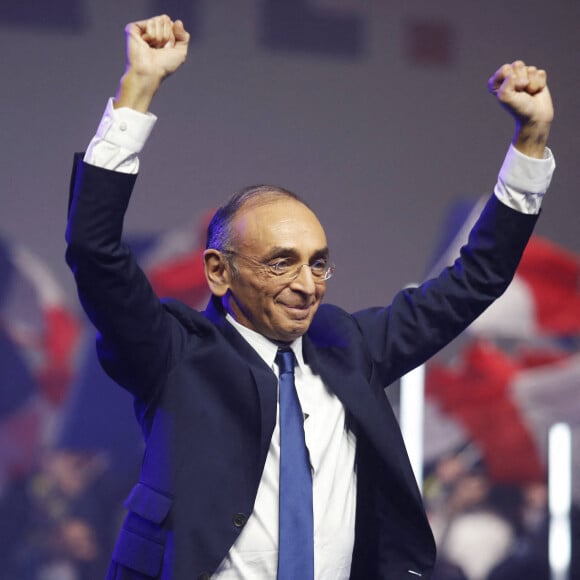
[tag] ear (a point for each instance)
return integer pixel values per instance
(217, 272)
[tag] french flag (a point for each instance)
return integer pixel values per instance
(38, 339)
(516, 370)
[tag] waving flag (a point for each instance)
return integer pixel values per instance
(38, 336)
(542, 300)
(506, 403)
(518, 369)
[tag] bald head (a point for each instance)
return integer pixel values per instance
(220, 234)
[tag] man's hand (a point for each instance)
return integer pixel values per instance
(524, 92)
(156, 48)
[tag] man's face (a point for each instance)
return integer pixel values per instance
(277, 307)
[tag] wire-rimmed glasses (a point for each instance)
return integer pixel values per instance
(287, 269)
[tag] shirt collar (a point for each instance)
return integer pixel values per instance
(264, 346)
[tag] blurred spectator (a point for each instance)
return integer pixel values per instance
(529, 557)
(65, 519)
(472, 534)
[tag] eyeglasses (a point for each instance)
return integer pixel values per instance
(286, 269)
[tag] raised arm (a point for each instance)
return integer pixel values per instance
(420, 321)
(137, 336)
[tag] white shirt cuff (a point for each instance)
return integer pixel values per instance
(120, 137)
(523, 181)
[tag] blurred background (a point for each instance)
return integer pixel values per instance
(378, 114)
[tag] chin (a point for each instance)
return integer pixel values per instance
(295, 332)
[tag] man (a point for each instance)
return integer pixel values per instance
(213, 496)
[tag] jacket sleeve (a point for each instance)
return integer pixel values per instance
(422, 320)
(135, 331)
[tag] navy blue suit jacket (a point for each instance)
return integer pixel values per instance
(206, 401)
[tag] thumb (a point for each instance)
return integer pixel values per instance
(501, 80)
(181, 35)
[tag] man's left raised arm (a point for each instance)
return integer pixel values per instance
(420, 321)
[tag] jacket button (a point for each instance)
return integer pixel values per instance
(239, 520)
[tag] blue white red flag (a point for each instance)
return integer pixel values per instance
(517, 370)
(38, 338)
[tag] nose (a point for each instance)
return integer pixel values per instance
(304, 280)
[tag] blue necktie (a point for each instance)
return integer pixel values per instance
(296, 539)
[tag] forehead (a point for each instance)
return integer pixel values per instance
(279, 222)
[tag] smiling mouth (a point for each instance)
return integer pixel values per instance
(298, 310)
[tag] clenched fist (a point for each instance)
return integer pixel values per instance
(156, 48)
(523, 91)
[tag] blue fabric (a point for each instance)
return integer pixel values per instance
(296, 541)
(17, 383)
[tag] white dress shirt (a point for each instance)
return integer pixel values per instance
(331, 447)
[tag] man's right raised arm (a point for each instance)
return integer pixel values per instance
(155, 49)
(113, 290)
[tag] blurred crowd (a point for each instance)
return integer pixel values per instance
(60, 521)
(487, 530)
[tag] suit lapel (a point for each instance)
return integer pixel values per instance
(344, 380)
(261, 374)
(368, 409)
